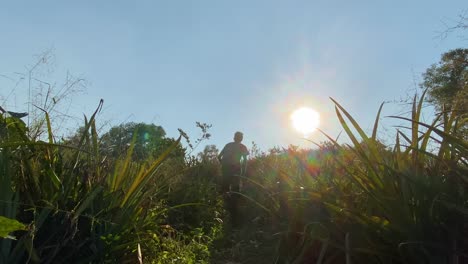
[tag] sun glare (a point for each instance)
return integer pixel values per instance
(305, 120)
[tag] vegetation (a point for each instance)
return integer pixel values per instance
(134, 195)
(447, 81)
(78, 205)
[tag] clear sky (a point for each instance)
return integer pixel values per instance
(238, 65)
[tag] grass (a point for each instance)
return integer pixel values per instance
(369, 203)
(74, 208)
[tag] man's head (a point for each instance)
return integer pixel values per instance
(238, 136)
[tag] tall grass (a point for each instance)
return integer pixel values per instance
(78, 207)
(406, 204)
(365, 202)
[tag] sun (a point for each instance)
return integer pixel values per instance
(305, 120)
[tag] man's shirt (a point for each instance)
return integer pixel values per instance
(232, 153)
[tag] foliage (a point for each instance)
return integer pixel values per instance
(367, 203)
(172, 246)
(8, 225)
(76, 209)
(148, 141)
(447, 81)
(209, 154)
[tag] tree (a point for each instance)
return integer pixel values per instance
(209, 154)
(447, 82)
(150, 141)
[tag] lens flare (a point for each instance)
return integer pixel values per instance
(305, 120)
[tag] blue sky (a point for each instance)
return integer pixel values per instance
(239, 65)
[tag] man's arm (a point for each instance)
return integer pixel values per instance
(244, 161)
(220, 155)
(244, 165)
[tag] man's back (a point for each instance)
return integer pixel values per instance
(232, 153)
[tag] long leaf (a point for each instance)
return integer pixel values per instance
(87, 201)
(137, 182)
(462, 144)
(376, 123)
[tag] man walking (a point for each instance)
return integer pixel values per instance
(233, 160)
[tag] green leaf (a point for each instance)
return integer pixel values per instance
(446, 136)
(376, 123)
(87, 201)
(146, 174)
(8, 225)
(49, 126)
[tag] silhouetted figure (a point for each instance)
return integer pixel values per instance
(233, 160)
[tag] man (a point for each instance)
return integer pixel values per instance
(233, 160)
